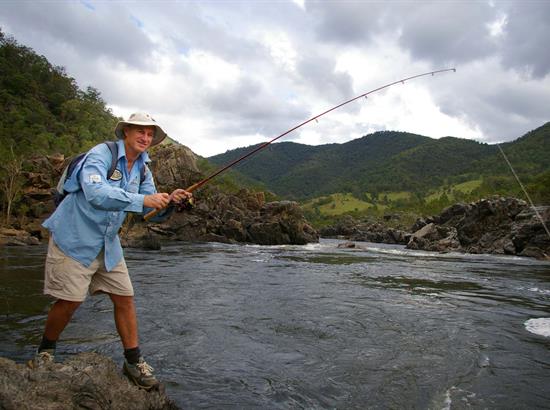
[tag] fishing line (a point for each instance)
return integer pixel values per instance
(524, 190)
(314, 118)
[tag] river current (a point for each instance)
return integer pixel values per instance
(315, 326)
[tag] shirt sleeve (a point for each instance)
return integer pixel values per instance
(97, 190)
(147, 187)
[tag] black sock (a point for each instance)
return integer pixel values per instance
(47, 344)
(132, 355)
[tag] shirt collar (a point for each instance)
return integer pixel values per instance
(143, 157)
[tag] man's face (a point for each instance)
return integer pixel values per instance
(138, 138)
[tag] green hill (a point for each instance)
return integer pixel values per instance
(396, 171)
(387, 161)
(301, 171)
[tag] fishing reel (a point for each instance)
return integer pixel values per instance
(185, 204)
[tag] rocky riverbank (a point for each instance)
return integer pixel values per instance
(217, 216)
(85, 381)
(497, 225)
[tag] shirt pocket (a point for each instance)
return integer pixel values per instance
(133, 187)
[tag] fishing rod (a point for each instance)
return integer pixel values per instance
(265, 144)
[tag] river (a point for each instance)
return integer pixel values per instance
(315, 326)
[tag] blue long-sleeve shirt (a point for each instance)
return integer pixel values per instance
(88, 219)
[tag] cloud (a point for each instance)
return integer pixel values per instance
(525, 37)
(219, 75)
(447, 32)
(106, 31)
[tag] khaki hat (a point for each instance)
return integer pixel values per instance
(141, 118)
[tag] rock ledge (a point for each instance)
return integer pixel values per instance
(85, 381)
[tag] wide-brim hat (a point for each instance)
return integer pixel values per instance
(141, 118)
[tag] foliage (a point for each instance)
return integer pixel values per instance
(231, 180)
(42, 109)
(12, 182)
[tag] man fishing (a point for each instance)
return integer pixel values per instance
(84, 252)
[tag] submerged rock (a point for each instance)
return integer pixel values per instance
(85, 381)
(351, 245)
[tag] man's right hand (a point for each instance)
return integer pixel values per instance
(157, 201)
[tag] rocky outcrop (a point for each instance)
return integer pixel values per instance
(217, 216)
(497, 225)
(85, 381)
(16, 237)
(353, 230)
(241, 217)
(174, 166)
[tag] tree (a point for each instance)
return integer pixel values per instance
(11, 169)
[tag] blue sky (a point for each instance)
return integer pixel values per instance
(223, 74)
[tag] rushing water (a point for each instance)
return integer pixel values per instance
(235, 326)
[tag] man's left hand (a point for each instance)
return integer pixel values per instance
(179, 195)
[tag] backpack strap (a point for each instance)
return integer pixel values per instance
(113, 147)
(142, 173)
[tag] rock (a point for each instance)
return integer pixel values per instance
(227, 218)
(35, 194)
(496, 225)
(233, 229)
(351, 229)
(350, 245)
(16, 237)
(85, 381)
(267, 233)
(36, 229)
(174, 166)
(452, 212)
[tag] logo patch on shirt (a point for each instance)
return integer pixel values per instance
(95, 179)
(117, 175)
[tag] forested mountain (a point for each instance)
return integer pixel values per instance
(388, 161)
(42, 110)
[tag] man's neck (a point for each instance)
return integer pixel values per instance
(131, 155)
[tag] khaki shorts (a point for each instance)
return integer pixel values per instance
(68, 279)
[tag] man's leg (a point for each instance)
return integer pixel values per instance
(67, 280)
(125, 320)
(135, 367)
(59, 316)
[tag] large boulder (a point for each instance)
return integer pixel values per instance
(85, 381)
(174, 166)
(281, 223)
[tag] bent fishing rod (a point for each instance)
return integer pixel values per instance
(265, 144)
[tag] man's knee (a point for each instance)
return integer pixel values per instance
(67, 306)
(122, 302)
